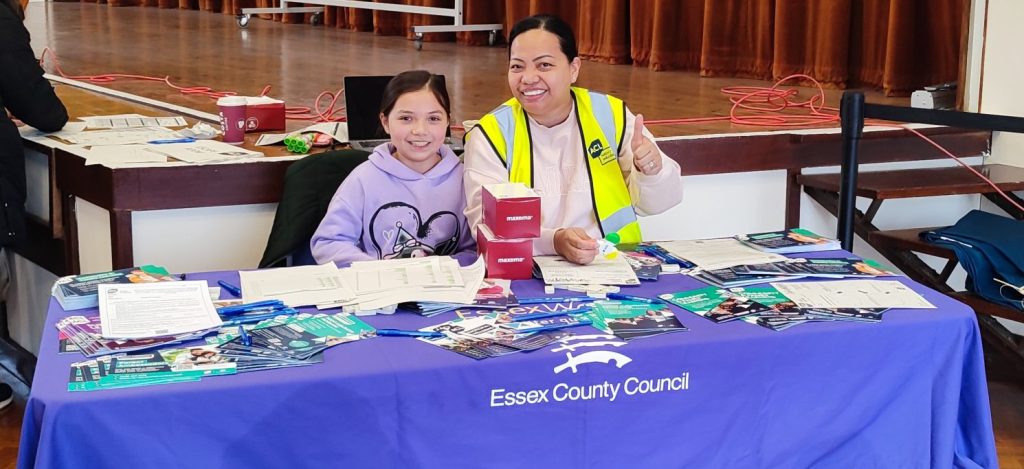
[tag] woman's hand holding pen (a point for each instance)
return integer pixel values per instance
(575, 245)
(646, 156)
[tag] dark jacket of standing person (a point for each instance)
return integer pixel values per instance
(29, 97)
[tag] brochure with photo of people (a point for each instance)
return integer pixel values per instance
(822, 268)
(633, 320)
(787, 241)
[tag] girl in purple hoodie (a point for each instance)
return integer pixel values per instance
(407, 200)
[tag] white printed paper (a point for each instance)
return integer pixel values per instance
(117, 155)
(132, 121)
(120, 136)
(852, 294)
(204, 151)
(296, 286)
(143, 310)
(720, 253)
(603, 271)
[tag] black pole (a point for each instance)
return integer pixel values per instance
(851, 117)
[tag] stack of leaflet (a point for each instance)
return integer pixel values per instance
(383, 284)
(157, 367)
(729, 278)
(602, 271)
(297, 286)
(714, 258)
(79, 291)
(493, 294)
(719, 253)
(629, 320)
(646, 266)
(289, 340)
(152, 310)
(285, 341)
(764, 306)
(494, 334)
(82, 333)
(819, 268)
(789, 241)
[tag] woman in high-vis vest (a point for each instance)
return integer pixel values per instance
(594, 164)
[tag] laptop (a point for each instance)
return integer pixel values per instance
(363, 95)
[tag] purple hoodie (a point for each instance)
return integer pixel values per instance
(385, 210)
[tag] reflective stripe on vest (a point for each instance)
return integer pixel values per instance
(601, 120)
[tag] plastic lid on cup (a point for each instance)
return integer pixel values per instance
(231, 101)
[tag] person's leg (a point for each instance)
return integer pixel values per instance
(6, 393)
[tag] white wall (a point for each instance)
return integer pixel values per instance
(1001, 91)
(1003, 70)
(183, 240)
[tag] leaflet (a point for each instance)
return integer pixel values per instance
(144, 310)
(853, 294)
(603, 271)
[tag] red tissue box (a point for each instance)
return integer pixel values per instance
(505, 258)
(263, 113)
(511, 210)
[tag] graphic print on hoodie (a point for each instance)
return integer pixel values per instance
(398, 231)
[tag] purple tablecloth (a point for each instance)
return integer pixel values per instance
(904, 393)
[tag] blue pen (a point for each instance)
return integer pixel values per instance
(638, 299)
(553, 314)
(553, 299)
(230, 288)
(253, 311)
(172, 140)
(654, 251)
(664, 256)
(229, 310)
(403, 333)
(244, 336)
(258, 317)
(554, 327)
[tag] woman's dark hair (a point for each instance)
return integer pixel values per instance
(551, 24)
(15, 6)
(412, 81)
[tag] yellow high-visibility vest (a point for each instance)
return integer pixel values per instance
(602, 124)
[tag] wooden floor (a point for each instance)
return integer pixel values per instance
(300, 61)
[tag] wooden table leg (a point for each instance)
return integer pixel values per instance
(121, 239)
(792, 199)
(69, 228)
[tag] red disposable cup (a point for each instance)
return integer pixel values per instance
(232, 118)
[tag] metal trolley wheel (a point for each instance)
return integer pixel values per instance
(316, 19)
(418, 41)
(492, 37)
(243, 20)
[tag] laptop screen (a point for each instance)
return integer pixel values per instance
(363, 95)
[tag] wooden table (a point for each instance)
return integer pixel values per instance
(122, 191)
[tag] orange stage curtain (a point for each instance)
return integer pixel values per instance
(895, 45)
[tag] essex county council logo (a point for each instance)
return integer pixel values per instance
(572, 344)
